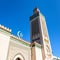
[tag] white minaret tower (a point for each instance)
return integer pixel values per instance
(39, 33)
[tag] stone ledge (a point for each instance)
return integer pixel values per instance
(20, 40)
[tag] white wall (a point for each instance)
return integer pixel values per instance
(4, 43)
(38, 53)
(17, 48)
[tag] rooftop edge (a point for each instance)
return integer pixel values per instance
(5, 28)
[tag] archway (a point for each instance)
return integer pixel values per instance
(18, 57)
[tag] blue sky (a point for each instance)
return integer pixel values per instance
(15, 15)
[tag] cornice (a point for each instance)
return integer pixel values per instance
(20, 40)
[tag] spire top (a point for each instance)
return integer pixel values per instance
(36, 10)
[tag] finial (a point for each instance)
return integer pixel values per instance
(19, 34)
(36, 10)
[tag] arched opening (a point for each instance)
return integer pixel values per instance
(18, 58)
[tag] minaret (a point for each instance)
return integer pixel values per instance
(39, 33)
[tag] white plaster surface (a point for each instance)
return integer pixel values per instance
(4, 43)
(38, 53)
(17, 48)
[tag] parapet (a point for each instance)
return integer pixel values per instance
(5, 28)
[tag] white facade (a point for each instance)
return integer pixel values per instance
(13, 47)
(18, 47)
(4, 42)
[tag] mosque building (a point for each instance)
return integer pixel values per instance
(15, 48)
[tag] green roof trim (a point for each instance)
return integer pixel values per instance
(35, 44)
(4, 32)
(20, 41)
